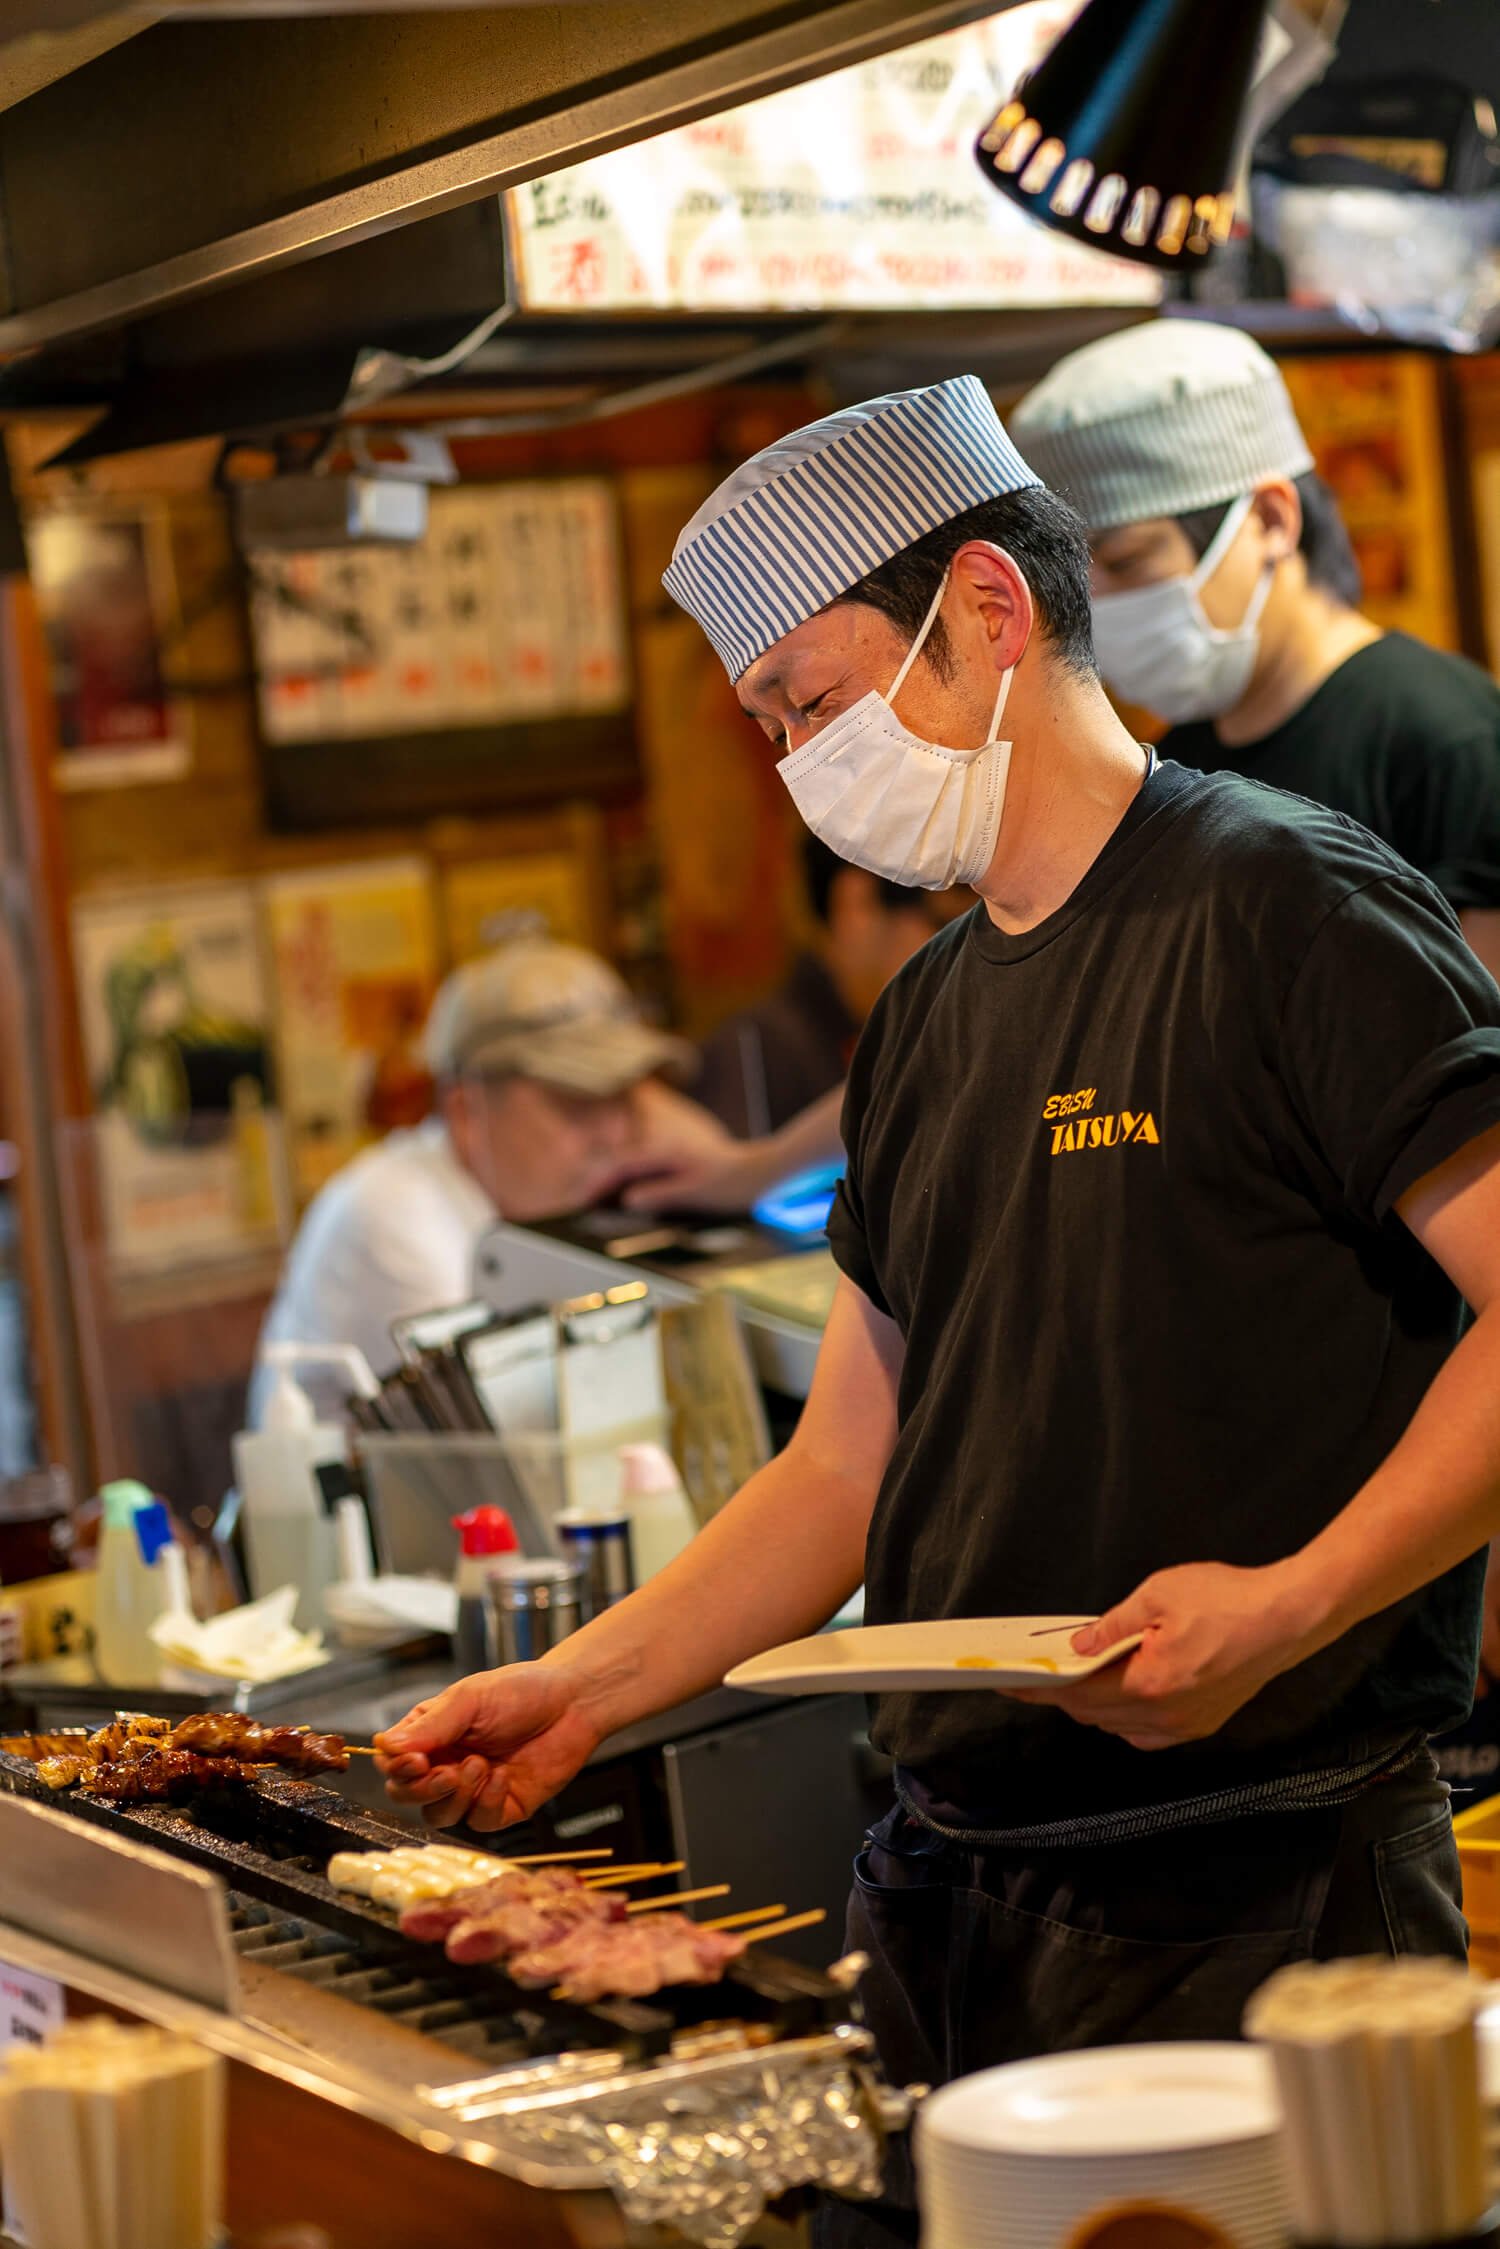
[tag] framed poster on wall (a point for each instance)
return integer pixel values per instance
(353, 952)
(176, 1026)
(1373, 422)
(484, 665)
(105, 593)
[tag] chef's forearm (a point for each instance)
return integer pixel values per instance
(776, 1563)
(1434, 1501)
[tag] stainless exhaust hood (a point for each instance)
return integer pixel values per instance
(201, 151)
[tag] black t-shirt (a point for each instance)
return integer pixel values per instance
(1125, 1183)
(1404, 738)
(762, 1068)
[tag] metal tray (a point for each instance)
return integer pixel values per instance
(67, 1691)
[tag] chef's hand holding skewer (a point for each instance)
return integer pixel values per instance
(1212, 1636)
(490, 1749)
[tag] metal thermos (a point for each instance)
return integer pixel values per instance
(600, 1547)
(534, 1606)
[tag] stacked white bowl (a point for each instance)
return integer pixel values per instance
(1020, 2157)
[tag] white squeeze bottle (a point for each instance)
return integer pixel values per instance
(290, 1537)
(130, 1589)
(661, 1516)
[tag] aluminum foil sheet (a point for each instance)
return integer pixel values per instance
(707, 2158)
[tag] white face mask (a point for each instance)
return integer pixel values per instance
(884, 799)
(1156, 648)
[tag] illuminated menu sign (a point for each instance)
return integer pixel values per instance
(855, 192)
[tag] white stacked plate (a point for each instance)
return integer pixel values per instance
(1019, 2157)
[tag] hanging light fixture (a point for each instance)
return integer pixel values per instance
(1125, 135)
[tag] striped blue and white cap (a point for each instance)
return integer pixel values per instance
(808, 517)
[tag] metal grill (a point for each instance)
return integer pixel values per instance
(443, 2005)
(271, 1842)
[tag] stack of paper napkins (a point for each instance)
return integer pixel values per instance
(256, 1642)
(381, 1610)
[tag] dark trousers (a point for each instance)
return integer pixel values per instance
(978, 1958)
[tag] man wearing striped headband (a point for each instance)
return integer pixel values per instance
(1167, 1166)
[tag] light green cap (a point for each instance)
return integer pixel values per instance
(121, 1501)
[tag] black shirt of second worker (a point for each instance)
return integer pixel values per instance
(1403, 737)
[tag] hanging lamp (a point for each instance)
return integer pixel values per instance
(1125, 136)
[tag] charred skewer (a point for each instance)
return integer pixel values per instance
(218, 1737)
(224, 1733)
(160, 1774)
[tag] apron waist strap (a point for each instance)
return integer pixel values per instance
(1320, 1790)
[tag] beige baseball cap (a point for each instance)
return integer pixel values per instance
(540, 1009)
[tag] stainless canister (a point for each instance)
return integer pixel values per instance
(534, 1605)
(599, 1545)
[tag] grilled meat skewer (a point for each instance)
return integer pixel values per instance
(500, 1929)
(158, 1775)
(224, 1733)
(629, 1960)
(431, 1919)
(211, 1736)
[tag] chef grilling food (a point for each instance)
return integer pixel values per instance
(1170, 1169)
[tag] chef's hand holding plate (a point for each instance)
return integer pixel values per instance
(492, 1748)
(1212, 1636)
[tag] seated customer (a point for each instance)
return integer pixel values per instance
(765, 1065)
(547, 1089)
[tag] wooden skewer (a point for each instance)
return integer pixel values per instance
(555, 1858)
(605, 1877)
(785, 1928)
(353, 1749)
(678, 1897)
(742, 1920)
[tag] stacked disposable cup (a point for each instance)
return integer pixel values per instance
(1021, 2157)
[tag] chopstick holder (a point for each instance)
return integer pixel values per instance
(1384, 2125)
(111, 2135)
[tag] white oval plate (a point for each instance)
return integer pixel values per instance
(955, 1652)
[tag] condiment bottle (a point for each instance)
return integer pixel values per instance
(289, 1534)
(131, 1590)
(661, 1515)
(486, 1537)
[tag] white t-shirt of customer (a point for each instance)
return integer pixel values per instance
(391, 1234)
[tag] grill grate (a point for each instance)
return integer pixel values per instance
(438, 2005)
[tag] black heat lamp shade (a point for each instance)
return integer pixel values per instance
(1125, 136)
